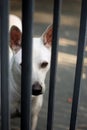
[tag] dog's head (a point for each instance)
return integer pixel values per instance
(41, 61)
(41, 55)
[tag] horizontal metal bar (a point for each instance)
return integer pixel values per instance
(80, 55)
(56, 21)
(5, 113)
(27, 25)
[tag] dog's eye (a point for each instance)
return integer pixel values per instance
(44, 64)
(20, 64)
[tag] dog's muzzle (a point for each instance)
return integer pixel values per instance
(36, 89)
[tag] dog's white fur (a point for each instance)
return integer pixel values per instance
(14, 20)
(41, 53)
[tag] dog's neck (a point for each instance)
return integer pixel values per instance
(15, 76)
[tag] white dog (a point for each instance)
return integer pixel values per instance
(40, 66)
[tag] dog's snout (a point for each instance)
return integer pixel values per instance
(36, 89)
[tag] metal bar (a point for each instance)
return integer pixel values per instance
(5, 114)
(56, 19)
(80, 55)
(27, 25)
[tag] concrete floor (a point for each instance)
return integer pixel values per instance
(69, 29)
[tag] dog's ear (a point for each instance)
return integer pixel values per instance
(47, 36)
(15, 38)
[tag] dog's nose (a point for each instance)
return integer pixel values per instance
(36, 89)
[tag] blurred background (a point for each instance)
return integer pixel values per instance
(69, 31)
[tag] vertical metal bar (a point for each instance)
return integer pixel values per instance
(80, 54)
(5, 118)
(27, 22)
(56, 19)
